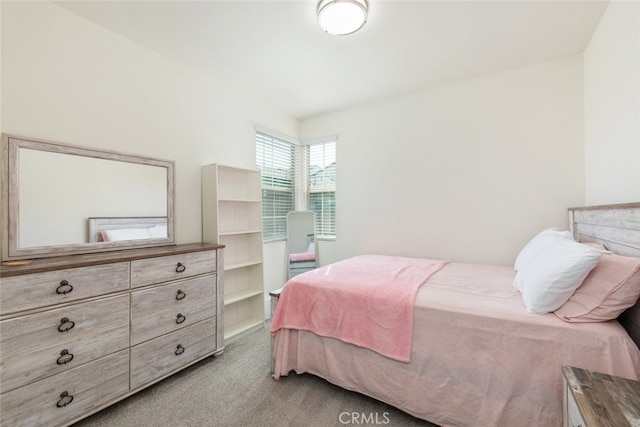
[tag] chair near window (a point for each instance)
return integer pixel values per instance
(301, 243)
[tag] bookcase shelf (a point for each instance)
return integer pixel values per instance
(232, 216)
(232, 298)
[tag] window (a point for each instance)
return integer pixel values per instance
(321, 185)
(282, 191)
(276, 159)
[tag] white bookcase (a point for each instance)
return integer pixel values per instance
(232, 216)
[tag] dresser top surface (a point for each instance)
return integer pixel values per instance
(602, 397)
(73, 261)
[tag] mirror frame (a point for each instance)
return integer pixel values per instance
(11, 249)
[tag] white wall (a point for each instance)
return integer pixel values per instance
(467, 172)
(66, 79)
(612, 106)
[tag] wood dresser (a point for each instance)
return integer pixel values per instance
(593, 399)
(79, 333)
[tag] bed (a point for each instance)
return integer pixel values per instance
(476, 355)
(111, 229)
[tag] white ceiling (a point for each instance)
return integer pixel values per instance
(275, 51)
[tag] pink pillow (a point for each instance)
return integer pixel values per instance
(609, 289)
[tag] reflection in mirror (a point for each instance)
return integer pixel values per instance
(301, 245)
(53, 184)
(52, 190)
(113, 229)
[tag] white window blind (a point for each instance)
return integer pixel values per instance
(276, 159)
(321, 186)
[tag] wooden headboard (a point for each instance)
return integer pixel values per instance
(98, 224)
(617, 227)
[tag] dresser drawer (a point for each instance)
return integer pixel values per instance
(162, 269)
(55, 287)
(87, 387)
(33, 348)
(160, 356)
(47, 328)
(167, 308)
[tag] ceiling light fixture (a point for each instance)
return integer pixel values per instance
(341, 17)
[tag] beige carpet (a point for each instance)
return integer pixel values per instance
(235, 389)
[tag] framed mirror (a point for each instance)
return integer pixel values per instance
(60, 199)
(301, 242)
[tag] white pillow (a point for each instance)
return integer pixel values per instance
(538, 243)
(552, 275)
(158, 231)
(126, 234)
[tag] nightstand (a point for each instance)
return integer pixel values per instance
(274, 300)
(593, 399)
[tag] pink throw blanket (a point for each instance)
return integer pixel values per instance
(367, 300)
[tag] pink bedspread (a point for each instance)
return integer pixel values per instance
(367, 300)
(478, 358)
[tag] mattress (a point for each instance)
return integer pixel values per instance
(478, 358)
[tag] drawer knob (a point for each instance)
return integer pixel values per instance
(65, 399)
(64, 288)
(179, 350)
(180, 267)
(180, 318)
(66, 325)
(65, 357)
(180, 295)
